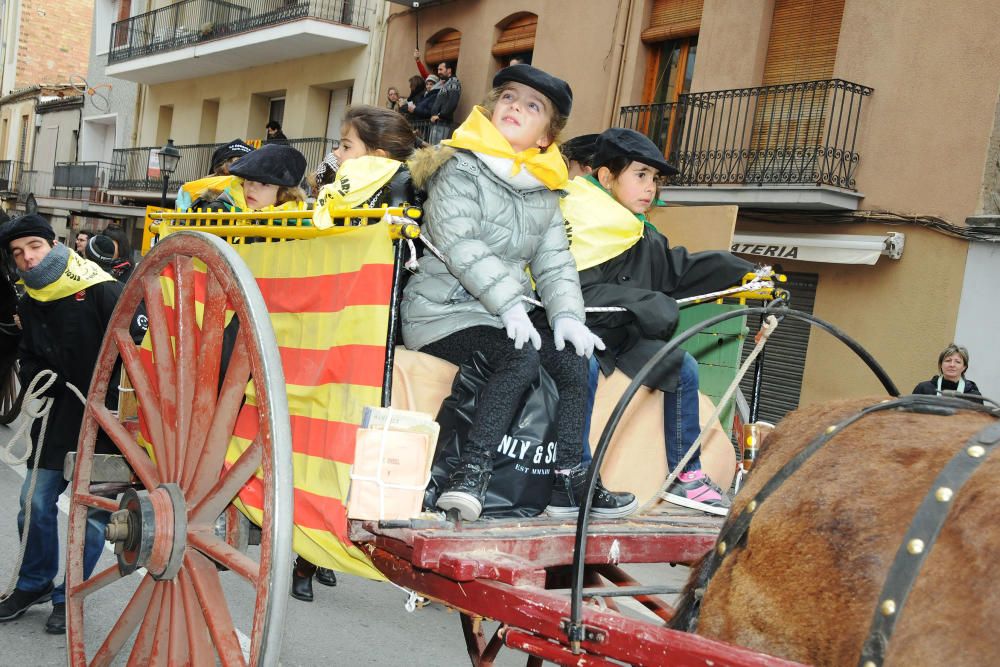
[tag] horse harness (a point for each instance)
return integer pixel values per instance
(916, 544)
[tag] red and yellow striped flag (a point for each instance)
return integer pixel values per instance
(328, 299)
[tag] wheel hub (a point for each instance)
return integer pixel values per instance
(149, 530)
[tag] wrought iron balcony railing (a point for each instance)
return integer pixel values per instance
(432, 133)
(192, 21)
(790, 134)
(10, 177)
(83, 180)
(129, 165)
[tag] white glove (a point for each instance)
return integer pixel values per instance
(519, 327)
(577, 333)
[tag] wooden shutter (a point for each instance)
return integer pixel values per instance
(790, 122)
(518, 36)
(445, 47)
(803, 42)
(670, 19)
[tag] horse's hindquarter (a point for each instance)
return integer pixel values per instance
(806, 583)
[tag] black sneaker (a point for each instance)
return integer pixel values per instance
(56, 625)
(466, 490)
(19, 602)
(326, 576)
(568, 490)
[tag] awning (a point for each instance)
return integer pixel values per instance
(832, 248)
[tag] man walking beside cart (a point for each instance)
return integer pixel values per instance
(64, 313)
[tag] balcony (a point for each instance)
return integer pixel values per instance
(784, 146)
(227, 35)
(129, 177)
(11, 172)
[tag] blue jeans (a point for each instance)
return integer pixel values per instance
(593, 373)
(680, 416)
(41, 552)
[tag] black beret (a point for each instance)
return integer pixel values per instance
(235, 148)
(580, 149)
(101, 249)
(622, 142)
(557, 90)
(30, 224)
(274, 164)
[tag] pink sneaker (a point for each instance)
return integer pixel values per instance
(695, 490)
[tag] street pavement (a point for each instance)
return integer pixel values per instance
(359, 622)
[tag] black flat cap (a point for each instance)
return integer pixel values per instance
(30, 224)
(235, 148)
(274, 164)
(557, 90)
(622, 142)
(580, 149)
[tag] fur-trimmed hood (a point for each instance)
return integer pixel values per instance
(426, 161)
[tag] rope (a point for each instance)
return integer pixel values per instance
(32, 394)
(765, 332)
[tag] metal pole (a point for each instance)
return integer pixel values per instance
(163, 194)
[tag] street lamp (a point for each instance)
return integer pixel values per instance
(169, 157)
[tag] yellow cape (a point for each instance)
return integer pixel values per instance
(599, 228)
(478, 134)
(80, 274)
(358, 179)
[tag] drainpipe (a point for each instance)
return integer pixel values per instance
(619, 47)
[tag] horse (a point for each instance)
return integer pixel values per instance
(814, 576)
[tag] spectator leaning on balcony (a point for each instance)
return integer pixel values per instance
(417, 91)
(443, 110)
(274, 133)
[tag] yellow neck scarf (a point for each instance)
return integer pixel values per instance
(80, 274)
(358, 179)
(478, 134)
(599, 228)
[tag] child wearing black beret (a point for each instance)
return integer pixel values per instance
(493, 211)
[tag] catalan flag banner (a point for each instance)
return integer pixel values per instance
(328, 300)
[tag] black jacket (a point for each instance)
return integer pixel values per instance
(645, 279)
(447, 99)
(929, 387)
(65, 336)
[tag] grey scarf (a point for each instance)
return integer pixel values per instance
(48, 270)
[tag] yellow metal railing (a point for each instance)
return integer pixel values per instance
(273, 225)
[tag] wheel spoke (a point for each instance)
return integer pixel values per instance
(207, 542)
(125, 625)
(186, 338)
(143, 646)
(97, 502)
(213, 321)
(166, 375)
(145, 390)
(205, 579)
(96, 582)
(220, 495)
(136, 456)
(223, 421)
(177, 642)
(199, 641)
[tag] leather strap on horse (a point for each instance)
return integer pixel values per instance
(920, 538)
(733, 534)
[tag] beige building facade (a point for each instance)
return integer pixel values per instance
(819, 118)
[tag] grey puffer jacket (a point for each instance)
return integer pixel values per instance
(488, 232)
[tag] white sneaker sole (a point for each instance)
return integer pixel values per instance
(467, 505)
(600, 513)
(695, 505)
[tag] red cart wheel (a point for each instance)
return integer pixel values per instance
(168, 530)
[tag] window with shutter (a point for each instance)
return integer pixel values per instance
(670, 19)
(517, 39)
(443, 47)
(790, 120)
